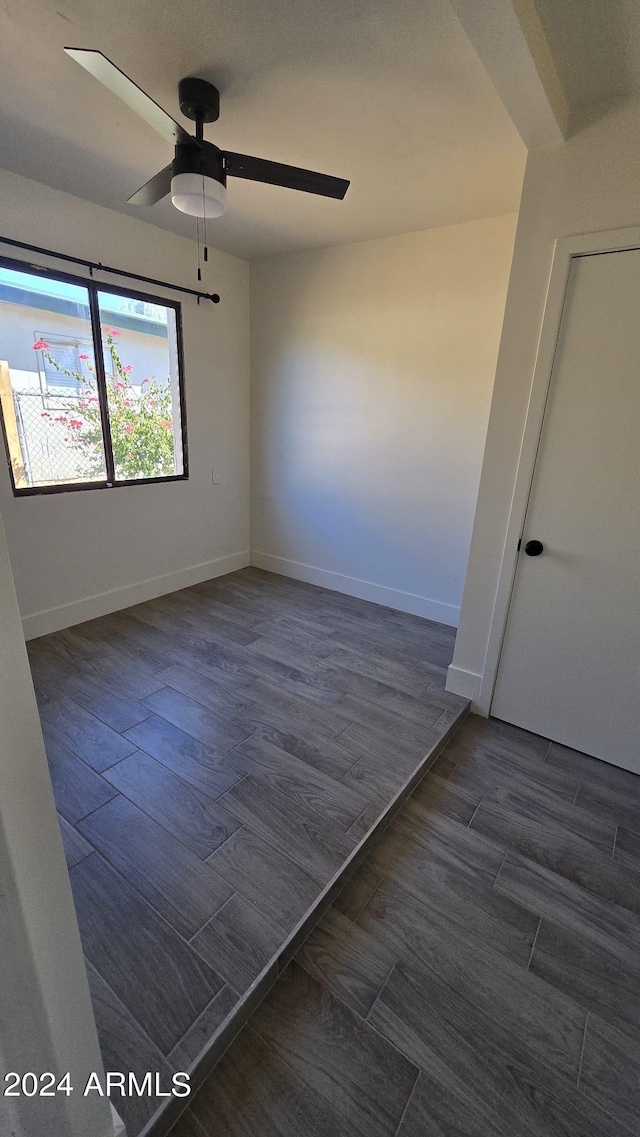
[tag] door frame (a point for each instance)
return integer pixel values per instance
(565, 249)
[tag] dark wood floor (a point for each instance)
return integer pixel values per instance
(216, 755)
(478, 977)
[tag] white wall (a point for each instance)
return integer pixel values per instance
(588, 184)
(113, 545)
(21, 325)
(372, 369)
(46, 1022)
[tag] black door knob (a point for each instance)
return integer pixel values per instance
(534, 548)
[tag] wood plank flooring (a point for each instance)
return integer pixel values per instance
(216, 756)
(479, 975)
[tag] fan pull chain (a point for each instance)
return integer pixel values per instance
(204, 214)
(198, 244)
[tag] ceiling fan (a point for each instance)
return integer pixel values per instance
(197, 176)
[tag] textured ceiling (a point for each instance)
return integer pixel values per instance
(595, 45)
(391, 96)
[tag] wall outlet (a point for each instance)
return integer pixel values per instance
(215, 477)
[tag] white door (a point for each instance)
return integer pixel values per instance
(570, 663)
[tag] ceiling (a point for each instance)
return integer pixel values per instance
(595, 45)
(391, 96)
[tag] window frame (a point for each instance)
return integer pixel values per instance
(93, 287)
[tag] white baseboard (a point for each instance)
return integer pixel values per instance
(465, 683)
(118, 1124)
(363, 589)
(66, 615)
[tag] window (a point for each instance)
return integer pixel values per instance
(63, 365)
(90, 383)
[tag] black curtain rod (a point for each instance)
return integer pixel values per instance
(91, 265)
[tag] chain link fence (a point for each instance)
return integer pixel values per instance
(43, 431)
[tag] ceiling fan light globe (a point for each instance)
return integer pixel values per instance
(198, 196)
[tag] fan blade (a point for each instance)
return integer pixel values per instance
(154, 190)
(112, 77)
(277, 174)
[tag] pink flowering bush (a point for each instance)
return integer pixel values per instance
(141, 420)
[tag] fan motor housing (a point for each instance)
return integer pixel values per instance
(204, 159)
(199, 100)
